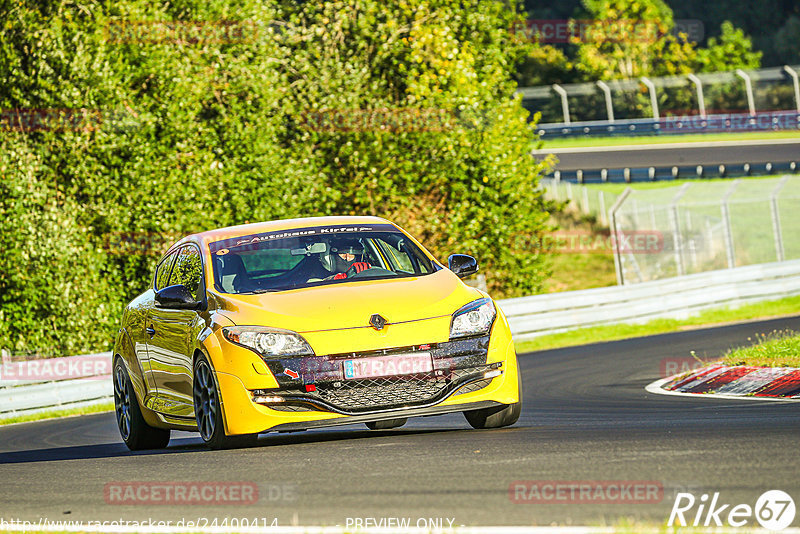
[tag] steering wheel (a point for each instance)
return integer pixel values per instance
(373, 271)
(351, 272)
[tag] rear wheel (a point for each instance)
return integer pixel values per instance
(208, 411)
(135, 431)
(497, 416)
(386, 424)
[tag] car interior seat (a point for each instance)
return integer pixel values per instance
(233, 277)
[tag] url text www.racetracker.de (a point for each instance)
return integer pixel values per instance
(44, 523)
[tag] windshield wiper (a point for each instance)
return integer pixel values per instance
(259, 291)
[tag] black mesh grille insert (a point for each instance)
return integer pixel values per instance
(474, 386)
(393, 392)
(292, 408)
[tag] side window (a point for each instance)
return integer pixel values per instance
(162, 271)
(399, 260)
(188, 269)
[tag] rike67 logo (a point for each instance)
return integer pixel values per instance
(773, 510)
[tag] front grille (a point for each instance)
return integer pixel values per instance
(458, 367)
(371, 394)
(379, 394)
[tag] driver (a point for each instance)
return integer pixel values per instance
(348, 257)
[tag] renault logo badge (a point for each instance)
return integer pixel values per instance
(377, 322)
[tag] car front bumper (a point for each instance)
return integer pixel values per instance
(242, 415)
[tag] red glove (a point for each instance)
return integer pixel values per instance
(360, 266)
(340, 276)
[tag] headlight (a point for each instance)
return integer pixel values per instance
(268, 342)
(474, 319)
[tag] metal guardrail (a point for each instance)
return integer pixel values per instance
(674, 172)
(42, 385)
(692, 86)
(529, 317)
(766, 121)
(676, 298)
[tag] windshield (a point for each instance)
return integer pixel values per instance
(292, 259)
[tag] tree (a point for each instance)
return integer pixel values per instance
(630, 38)
(412, 115)
(787, 41)
(731, 50)
(55, 296)
(167, 118)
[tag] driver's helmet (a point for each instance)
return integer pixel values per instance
(346, 246)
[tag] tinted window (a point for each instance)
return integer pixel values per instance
(306, 257)
(188, 269)
(163, 270)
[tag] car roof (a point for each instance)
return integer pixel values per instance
(219, 234)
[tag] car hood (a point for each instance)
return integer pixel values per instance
(351, 304)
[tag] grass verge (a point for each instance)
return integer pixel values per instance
(665, 139)
(575, 271)
(579, 269)
(53, 414)
(779, 348)
(715, 317)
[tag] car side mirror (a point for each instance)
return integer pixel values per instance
(462, 265)
(177, 297)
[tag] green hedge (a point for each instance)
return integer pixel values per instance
(159, 119)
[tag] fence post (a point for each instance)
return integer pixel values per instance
(3, 360)
(614, 233)
(609, 104)
(677, 241)
(653, 217)
(564, 103)
(748, 86)
(586, 209)
(776, 218)
(653, 96)
(603, 216)
(726, 225)
(691, 244)
(793, 73)
(701, 103)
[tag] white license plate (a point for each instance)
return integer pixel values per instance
(396, 364)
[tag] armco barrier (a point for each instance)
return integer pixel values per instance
(674, 172)
(31, 386)
(529, 317)
(677, 297)
(765, 121)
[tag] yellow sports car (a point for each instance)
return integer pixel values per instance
(307, 323)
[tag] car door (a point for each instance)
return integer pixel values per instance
(139, 335)
(170, 339)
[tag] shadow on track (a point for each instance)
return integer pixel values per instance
(185, 445)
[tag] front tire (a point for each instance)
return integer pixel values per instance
(208, 411)
(135, 431)
(497, 416)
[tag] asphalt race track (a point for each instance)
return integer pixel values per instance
(727, 152)
(586, 417)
